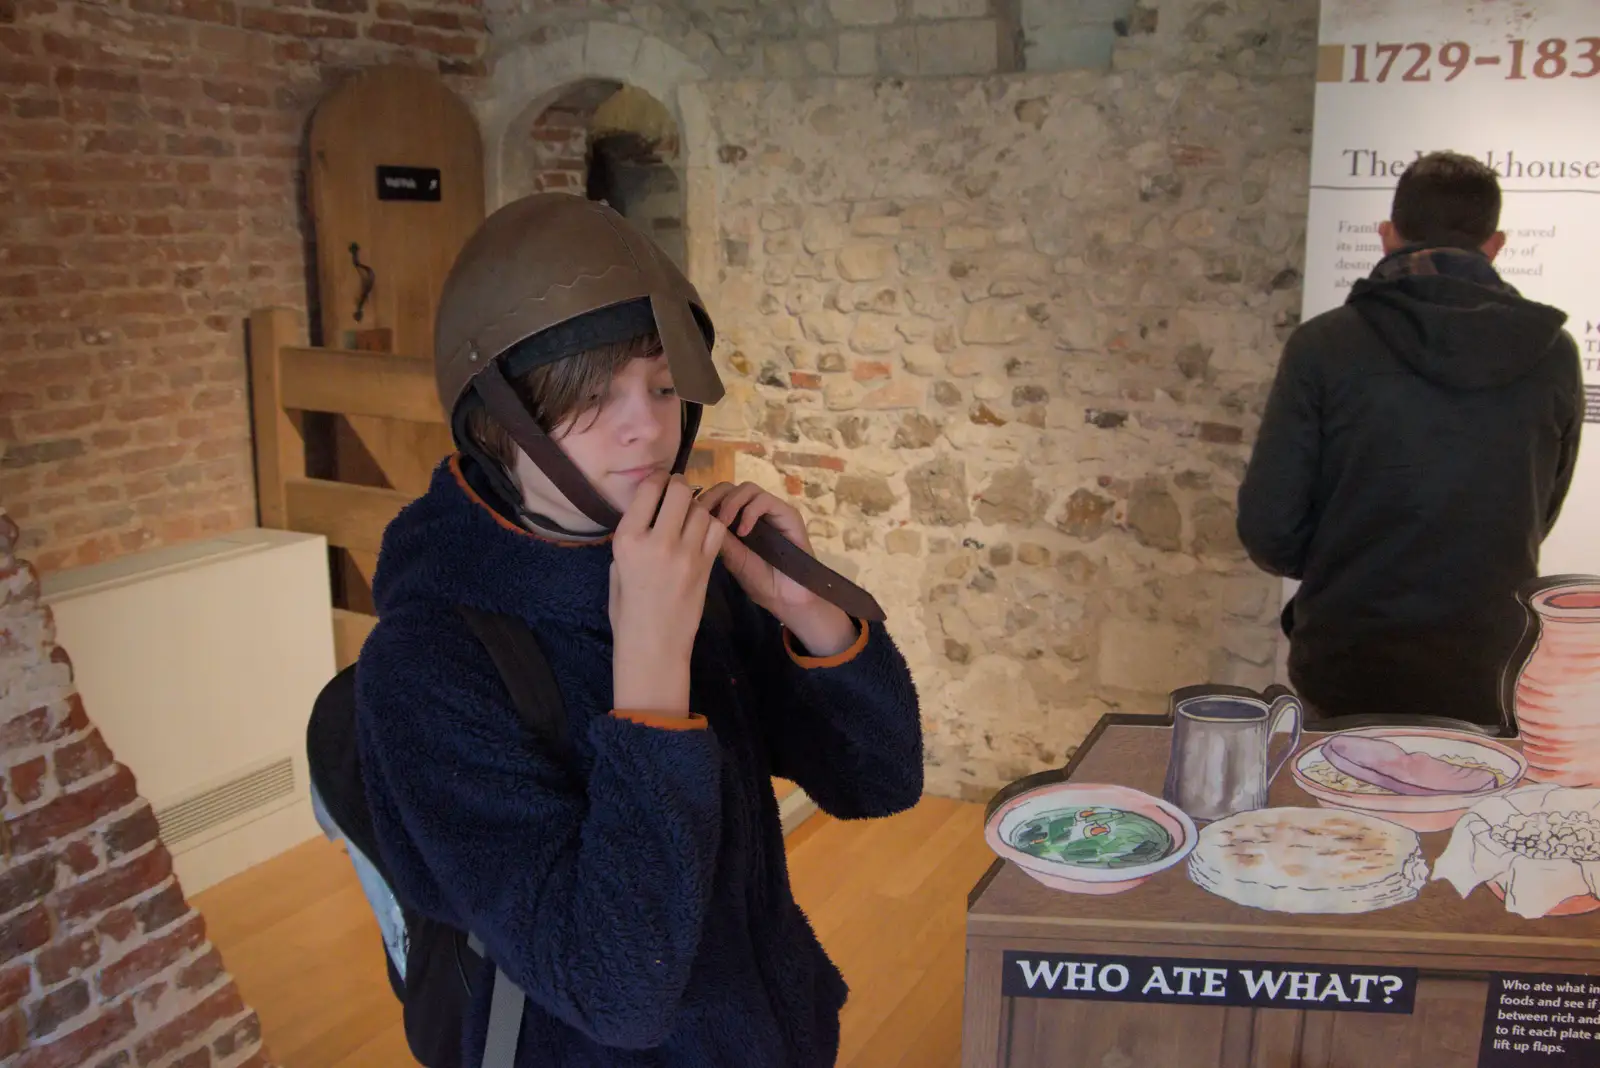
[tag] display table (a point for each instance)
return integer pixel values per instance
(1454, 943)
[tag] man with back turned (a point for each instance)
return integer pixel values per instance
(1415, 451)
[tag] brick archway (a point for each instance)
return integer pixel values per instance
(607, 141)
(535, 75)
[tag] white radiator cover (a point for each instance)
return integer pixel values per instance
(199, 664)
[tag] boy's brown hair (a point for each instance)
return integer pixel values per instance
(560, 392)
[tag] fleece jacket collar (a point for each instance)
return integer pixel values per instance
(457, 544)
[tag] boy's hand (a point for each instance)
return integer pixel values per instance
(659, 573)
(824, 629)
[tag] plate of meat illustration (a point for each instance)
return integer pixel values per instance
(1419, 777)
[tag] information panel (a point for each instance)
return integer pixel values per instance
(1513, 83)
(1548, 1021)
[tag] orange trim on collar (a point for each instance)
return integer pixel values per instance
(828, 661)
(516, 528)
(691, 722)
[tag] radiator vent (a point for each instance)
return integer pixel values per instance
(237, 797)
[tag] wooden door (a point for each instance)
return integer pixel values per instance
(397, 128)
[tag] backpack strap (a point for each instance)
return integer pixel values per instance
(506, 1002)
(526, 673)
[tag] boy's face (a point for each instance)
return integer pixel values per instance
(634, 433)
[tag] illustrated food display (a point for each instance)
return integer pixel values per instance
(1537, 847)
(1089, 838)
(1517, 818)
(1550, 835)
(1424, 778)
(1094, 837)
(1558, 685)
(1309, 860)
(1378, 762)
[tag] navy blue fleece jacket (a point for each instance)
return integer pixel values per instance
(641, 898)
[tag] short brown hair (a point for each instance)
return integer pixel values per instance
(1446, 198)
(560, 390)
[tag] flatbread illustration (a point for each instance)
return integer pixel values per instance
(1309, 860)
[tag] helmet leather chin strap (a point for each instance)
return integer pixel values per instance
(764, 539)
(505, 408)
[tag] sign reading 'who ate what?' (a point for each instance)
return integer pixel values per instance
(1274, 985)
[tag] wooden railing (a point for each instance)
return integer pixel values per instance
(289, 378)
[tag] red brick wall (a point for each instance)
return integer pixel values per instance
(550, 150)
(149, 199)
(102, 960)
(557, 151)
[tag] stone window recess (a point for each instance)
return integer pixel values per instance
(1078, 34)
(606, 141)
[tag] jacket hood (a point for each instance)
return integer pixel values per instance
(456, 544)
(1447, 314)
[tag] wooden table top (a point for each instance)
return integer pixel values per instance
(1171, 911)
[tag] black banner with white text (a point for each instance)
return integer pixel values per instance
(1162, 981)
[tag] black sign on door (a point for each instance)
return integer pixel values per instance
(408, 183)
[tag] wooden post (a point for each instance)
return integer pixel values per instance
(280, 445)
(714, 460)
(722, 468)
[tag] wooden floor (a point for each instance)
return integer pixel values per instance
(887, 898)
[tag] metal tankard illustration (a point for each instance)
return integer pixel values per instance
(1221, 761)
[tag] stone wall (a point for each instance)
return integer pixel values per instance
(1006, 341)
(102, 960)
(787, 39)
(1003, 331)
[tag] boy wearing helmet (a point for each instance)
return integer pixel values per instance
(637, 892)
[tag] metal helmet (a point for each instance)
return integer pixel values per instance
(553, 275)
(550, 276)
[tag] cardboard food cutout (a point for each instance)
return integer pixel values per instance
(1358, 812)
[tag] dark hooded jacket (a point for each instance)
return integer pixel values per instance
(639, 895)
(1415, 451)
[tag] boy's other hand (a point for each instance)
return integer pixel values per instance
(822, 627)
(659, 573)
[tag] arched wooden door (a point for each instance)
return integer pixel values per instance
(396, 171)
